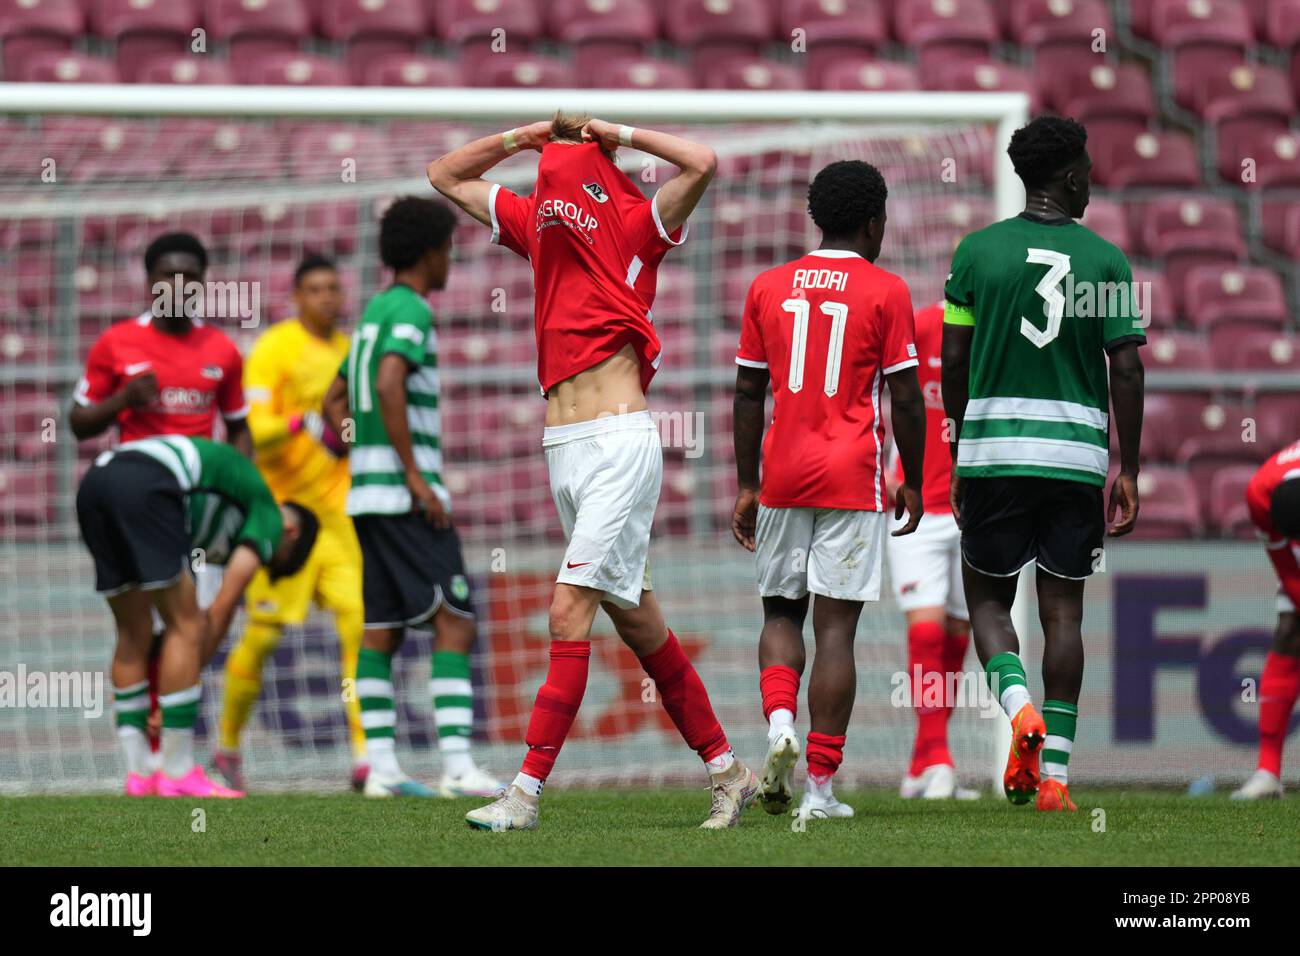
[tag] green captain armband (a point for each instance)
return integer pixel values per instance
(954, 314)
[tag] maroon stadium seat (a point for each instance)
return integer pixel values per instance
(183, 68)
(1107, 219)
(1256, 156)
(1157, 301)
(920, 23)
(1282, 226)
(373, 31)
(1216, 296)
(142, 28)
(52, 66)
(1255, 91)
(1037, 22)
(1179, 352)
(1260, 350)
(714, 24)
(743, 72)
(1176, 23)
(521, 70)
(1148, 159)
(208, 150)
(1281, 26)
(459, 21)
(253, 28)
(1228, 512)
(28, 501)
(875, 75)
(1227, 433)
(411, 69)
(317, 153)
(584, 22)
(1084, 89)
(1278, 414)
(641, 73)
(47, 26)
(1182, 223)
(1170, 506)
(834, 31)
(87, 150)
(980, 76)
(291, 69)
(1192, 64)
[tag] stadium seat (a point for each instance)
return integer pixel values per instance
(183, 68)
(1243, 296)
(1107, 218)
(1035, 23)
(834, 31)
(640, 73)
(747, 73)
(291, 69)
(1229, 515)
(870, 75)
(1265, 157)
(1147, 159)
(1179, 223)
(317, 153)
(521, 70)
(207, 150)
(411, 69)
(45, 26)
(944, 29)
(1281, 25)
(1278, 413)
(1244, 91)
(981, 76)
(90, 150)
(52, 66)
(631, 24)
(1179, 352)
(1086, 90)
(1179, 23)
(1157, 301)
(460, 21)
(1281, 226)
(373, 29)
(255, 28)
(28, 501)
(1170, 506)
(143, 28)
(1227, 433)
(711, 25)
(1260, 350)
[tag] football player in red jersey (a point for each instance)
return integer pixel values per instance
(925, 573)
(828, 330)
(1273, 497)
(164, 372)
(595, 243)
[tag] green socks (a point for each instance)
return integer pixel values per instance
(378, 716)
(1006, 676)
(1061, 719)
(453, 709)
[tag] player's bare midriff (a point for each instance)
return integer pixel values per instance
(610, 387)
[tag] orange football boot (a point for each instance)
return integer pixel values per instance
(1020, 779)
(1053, 795)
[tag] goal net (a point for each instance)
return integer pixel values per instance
(88, 183)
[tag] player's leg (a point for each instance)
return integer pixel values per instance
(243, 685)
(680, 689)
(832, 687)
(377, 698)
(999, 537)
(129, 674)
(1279, 686)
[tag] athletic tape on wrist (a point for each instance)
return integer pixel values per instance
(625, 134)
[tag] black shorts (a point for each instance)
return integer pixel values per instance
(132, 516)
(1007, 523)
(410, 570)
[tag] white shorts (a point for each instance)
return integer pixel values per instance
(605, 478)
(925, 566)
(834, 552)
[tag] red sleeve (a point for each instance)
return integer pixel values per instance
(510, 215)
(1281, 552)
(646, 231)
(898, 331)
(230, 394)
(752, 351)
(100, 380)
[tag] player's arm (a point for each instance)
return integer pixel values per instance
(263, 374)
(239, 570)
(459, 174)
(958, 331)
(907, 414)
(1127, 378)
(390, 389)
(100, 397)
(334, 406)
(747, 434)
(695, 162)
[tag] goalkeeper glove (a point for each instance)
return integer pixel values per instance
(314, 425)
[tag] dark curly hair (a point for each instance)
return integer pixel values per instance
(412, 226)
(175, 242)
(310, 263)
(845, 195)
(1043, 147)
(1284, 509)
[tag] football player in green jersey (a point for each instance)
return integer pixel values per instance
(1034, 307)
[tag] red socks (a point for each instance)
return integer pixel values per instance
(685, 699)
(556, 706)
(779, 685)
(1279, 686)
(825, 754)
(925, 656)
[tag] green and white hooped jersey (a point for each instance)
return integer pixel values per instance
(1046, 300)
(226, 501)
(399, 321)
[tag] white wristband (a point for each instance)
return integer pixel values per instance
(508, 141)
(625, 134)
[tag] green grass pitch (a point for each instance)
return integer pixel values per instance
(648, 828)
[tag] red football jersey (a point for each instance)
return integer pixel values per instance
(1284, 553)
(199, 374)
(830, 326)
(938, 453)
(595, 244)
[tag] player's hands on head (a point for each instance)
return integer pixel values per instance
(1124, 499)
(141, 390)
(909, 499)
(534, 135)
(744, 517)
(426, 501)
(601, 132)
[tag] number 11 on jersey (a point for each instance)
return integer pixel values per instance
(839, 316)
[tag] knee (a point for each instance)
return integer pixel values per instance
(566, 617)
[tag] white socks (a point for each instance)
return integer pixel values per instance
(529, 785)
(382, 755)
(135, 744)
(721, 763)
(1015, 697)
(779, 720)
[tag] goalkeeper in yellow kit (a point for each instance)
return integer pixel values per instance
(285, 377)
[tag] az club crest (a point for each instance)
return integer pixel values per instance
(596, 192)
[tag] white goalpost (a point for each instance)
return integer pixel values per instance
(264, 175)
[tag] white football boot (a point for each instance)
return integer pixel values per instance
(777, 789)
(1262, 785)
(473, 783)
(816, 807)
(936, 782)
(400, 786)
(733, 790)
(513, 810)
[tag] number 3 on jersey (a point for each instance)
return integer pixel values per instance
(1048, 287)
(839, 316)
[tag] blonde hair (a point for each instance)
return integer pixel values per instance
(567, 127)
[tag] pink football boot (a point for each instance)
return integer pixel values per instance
(193, 784)
(140, 785)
